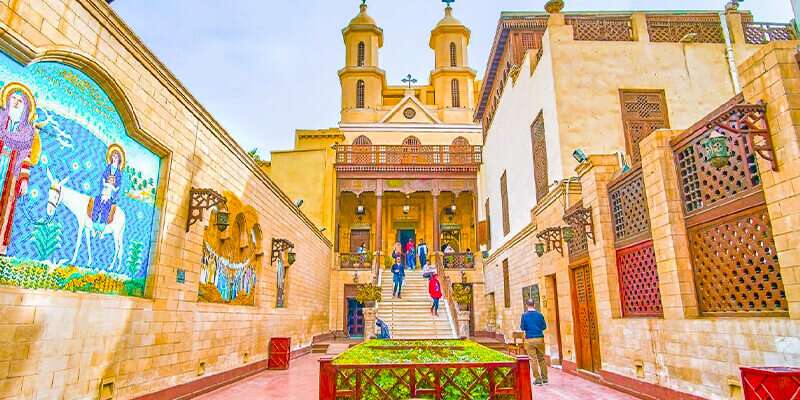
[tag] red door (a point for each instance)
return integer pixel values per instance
(587, 339)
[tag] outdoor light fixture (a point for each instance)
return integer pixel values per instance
(299, 203)
(291, 257)
(579, 156)
(453, 208)
(223, 219)
(568, 233)
(716, 149)
(360, 210)
(406, 209)
(279, 246)
(539, 249)
(203, 199)
(552, 236)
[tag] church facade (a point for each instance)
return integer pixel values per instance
(403, 163)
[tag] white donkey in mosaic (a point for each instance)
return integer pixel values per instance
(78, 203)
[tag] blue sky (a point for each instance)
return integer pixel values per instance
(264, 68)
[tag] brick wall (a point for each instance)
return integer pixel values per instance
(60, 344)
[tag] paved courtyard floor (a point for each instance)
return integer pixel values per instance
(301, 382)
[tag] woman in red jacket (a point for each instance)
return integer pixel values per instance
(435, 290)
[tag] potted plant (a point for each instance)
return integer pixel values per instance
(462, 295)
(368, 294)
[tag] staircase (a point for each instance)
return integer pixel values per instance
(410, 317)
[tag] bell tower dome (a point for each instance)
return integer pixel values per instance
(361, 78)
(453, 80)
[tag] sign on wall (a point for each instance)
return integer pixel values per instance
(77, 210)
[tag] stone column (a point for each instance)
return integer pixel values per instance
(369, 322)
(477, 248)
(436, 234)
(463, 324)
(595, 176)
(378, 227)
(668, 226)
(771, 75)
(639, 22)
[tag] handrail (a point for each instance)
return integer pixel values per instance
(451, 304)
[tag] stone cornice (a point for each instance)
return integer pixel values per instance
(131, 42)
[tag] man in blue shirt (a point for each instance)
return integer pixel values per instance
(533, 324)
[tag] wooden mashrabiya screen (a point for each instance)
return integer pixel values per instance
(733, 253)
(640, 295)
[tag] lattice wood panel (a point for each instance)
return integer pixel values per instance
(736, 265)
(539, 144)
(638, 281)
(629, 209)
(694, 28)
(756, 33)
(578, 218)
(642, 113)
(606, 28)
(702, 185)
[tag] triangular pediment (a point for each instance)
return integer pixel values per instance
(409, 111)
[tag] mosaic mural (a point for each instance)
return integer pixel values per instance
(77, 210)
(229, 264)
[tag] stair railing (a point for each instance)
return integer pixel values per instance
(451, 304)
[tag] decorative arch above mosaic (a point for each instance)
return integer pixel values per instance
(78, 205)
(230, 260)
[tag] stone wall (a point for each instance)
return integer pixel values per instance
(60, 344)
(681, 354)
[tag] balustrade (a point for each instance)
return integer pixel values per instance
(348, 156)
(602, 28)
(355, 260)
(458, 260)
(764, 32)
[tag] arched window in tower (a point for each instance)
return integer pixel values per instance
(455, 93)
(361, 54)
(360, 94)
(453, 61)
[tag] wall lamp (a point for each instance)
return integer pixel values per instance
(579, 156)
(202, 199)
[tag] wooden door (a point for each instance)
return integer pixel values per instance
(358, 236)
(587, 340)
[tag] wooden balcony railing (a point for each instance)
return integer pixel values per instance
(355, 260)
(763, 32)
(601, 29)
(459, 260)
(393, 157)
(677, 28)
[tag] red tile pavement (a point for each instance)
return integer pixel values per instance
(300, 382)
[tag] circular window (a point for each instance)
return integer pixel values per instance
(409, 113)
